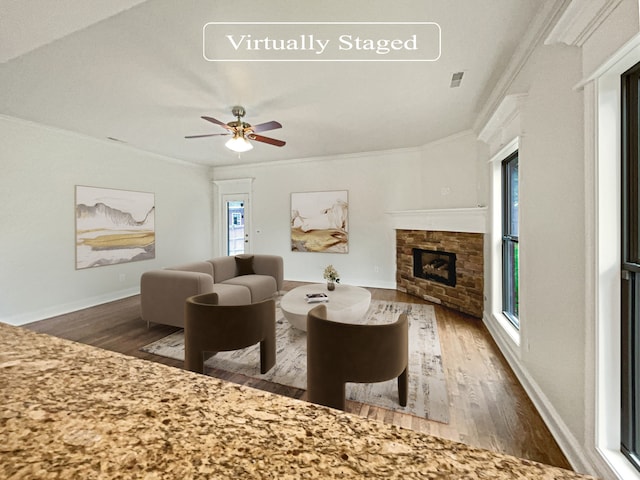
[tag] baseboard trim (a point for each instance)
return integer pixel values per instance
(34, 316)
(567, 442)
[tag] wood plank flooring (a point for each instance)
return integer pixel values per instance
(488, 406)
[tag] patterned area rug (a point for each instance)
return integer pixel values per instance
(427, 396)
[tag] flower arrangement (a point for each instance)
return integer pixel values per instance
(331, 274)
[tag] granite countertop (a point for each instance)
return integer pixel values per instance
(74, 411)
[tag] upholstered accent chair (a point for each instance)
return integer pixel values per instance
(343, 352)
(210, 327)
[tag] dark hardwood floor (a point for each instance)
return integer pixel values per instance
(488, 406)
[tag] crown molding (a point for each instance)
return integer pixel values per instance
(104, 141)
(350, 156)
(579, 20)
(546, 17)
(619, 60)
(507, 111)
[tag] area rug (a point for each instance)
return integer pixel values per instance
(427, 395)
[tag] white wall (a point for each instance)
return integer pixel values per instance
(40, 167)
(443, 174)
(552, 232)
(549, 357)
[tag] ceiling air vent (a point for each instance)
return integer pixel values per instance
(456, 79)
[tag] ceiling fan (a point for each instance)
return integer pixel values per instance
(242, 132)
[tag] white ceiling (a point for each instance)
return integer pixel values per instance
(133, 70)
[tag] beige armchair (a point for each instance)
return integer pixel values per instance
(210, 327)
(342, 352)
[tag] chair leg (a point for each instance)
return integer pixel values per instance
(330, 393)
(193, 359)
(403, 385)
(267, 354)
(268, 343)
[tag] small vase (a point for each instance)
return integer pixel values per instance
(331, 286)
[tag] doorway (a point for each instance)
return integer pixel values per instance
(236, 224)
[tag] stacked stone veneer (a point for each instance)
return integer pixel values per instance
(467, 296)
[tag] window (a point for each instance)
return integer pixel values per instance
(510, 249)
(630, 286)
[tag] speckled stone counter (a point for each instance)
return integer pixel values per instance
(77, 412)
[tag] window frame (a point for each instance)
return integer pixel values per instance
(510, 243)
(630, 267)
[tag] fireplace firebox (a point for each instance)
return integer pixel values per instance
(435, 265)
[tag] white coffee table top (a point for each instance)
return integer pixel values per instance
(346, 303)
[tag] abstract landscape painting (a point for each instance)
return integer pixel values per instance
(319, 222)
(113, 226)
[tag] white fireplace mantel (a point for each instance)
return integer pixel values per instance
(471, 220)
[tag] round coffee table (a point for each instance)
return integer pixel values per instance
(346, 303)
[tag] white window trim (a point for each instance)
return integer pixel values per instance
(603, 177)
(498, 324)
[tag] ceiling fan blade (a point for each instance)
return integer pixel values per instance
(270, 141)
(263, 127)
(207, 135)
(217, 122)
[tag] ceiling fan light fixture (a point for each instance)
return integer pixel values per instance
(243, 132)
(238, 144)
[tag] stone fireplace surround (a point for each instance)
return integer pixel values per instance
(459, 231)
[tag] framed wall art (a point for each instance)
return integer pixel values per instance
(113, 226)
(320, 222)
